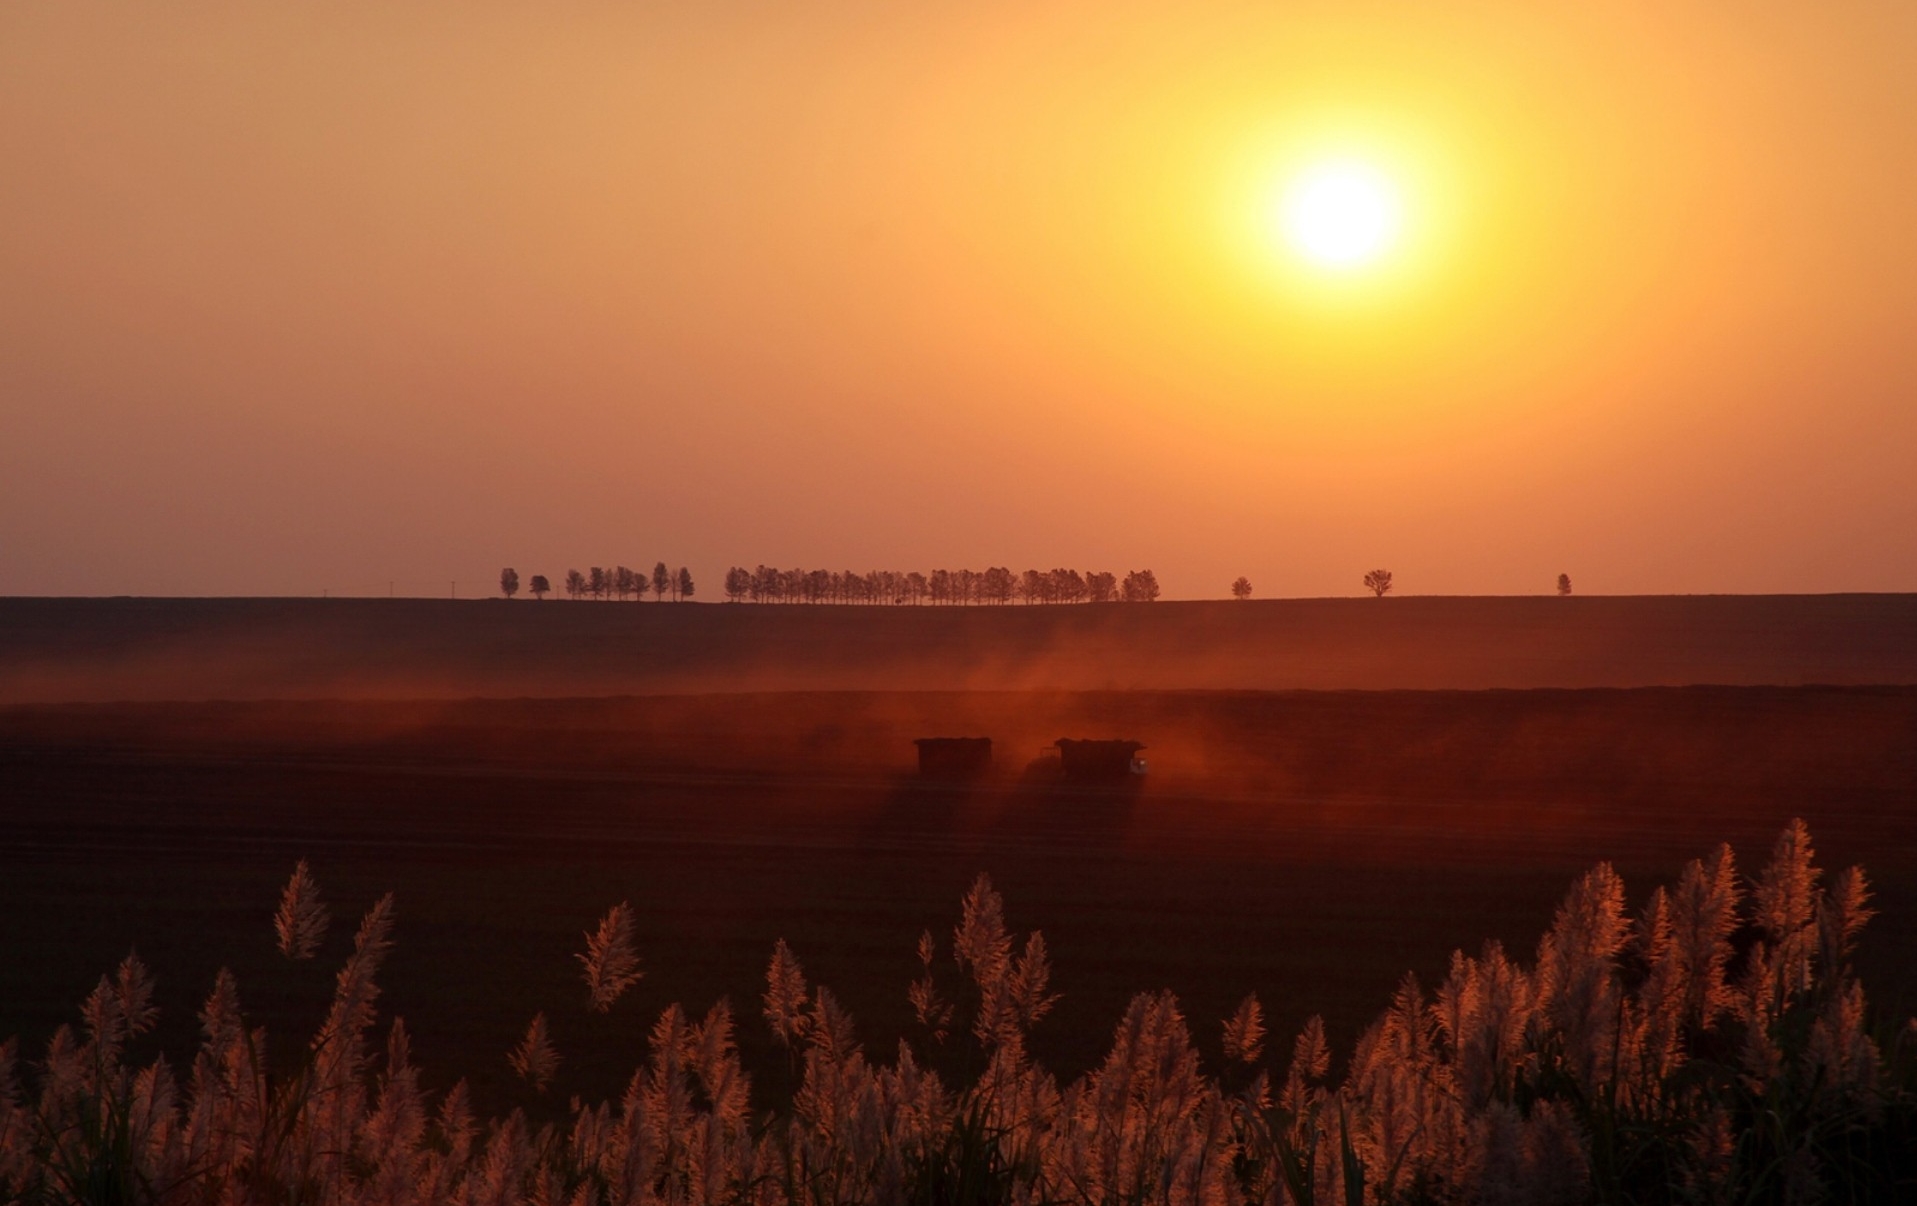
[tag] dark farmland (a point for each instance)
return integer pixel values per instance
(204, 649)
(1309, 846)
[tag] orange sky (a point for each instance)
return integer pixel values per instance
(304, 297)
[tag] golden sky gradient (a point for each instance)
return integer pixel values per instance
(304, 297)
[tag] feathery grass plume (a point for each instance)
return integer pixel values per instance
(1847, 1062)
(1460, 1001)
(611, 964)
(933, 1012)
(980, 944)
(451, 1145)
(1703, 917)
(694, 1110)
(667, 1098)
(714, 1058)
(1785, 896)
(152, 1121)
(1011, 992)
(1657, 1016)
(1141, 1115)
(1310, 1061)
(1842, 914)
(1245, 1032)
(393, 1138)
(334, 1108)
(1785, 903)
(1408, 1112)
(224, 1111)
(1311, 1055)
(785, 995)
(302, 918)
(120, 1008)
(1578, 986)
(830, 1028)
(220, 1023)
(535, 1059)
(339, 1047)
(1030, 976)
(498, 1179)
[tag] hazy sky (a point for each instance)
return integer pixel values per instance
(321, 296)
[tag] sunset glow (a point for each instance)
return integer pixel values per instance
(1341, 215)
(1277, 291)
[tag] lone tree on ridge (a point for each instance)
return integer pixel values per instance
(540, 586)
(1564, 584)
(1378, 582)
(509, 582)
(1241, 589)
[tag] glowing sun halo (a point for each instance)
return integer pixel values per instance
(1340, 214)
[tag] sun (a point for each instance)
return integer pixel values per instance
(1340, 214)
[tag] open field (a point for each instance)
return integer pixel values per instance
(1308, 846)
(157, 649)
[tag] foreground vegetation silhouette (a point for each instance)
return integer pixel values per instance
(1712, 1048)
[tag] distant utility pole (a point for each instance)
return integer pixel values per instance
(389, 588)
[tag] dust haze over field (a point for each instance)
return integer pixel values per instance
(1311, 845)
(107, 649)
(745, 774)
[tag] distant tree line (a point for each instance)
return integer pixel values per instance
(998, 585)
(619, 582)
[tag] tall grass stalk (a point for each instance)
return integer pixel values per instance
(1713, 1048)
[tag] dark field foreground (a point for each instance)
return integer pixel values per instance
(54, 650)
(1310, 847)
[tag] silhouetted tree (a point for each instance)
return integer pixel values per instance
(998, 584)
(540, 586)
(598, 582)
(1564, 584)
(738, 583)
(1378, 582)
(1241, 589)
(1101, 587)
(509, 582)
(1031, 586)
(575, 583)
(682, 584)
(661, 580)
(1141, 586)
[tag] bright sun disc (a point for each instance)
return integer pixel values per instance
(1341, 215)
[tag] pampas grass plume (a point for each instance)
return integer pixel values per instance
(610, 962)
(535, 1058)
(302, 919)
